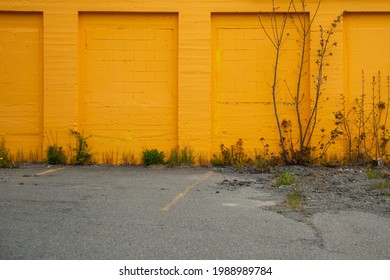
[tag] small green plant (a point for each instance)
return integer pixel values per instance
(6, 160)
(174, 158)
(294, 200)
(179, 157)
(365, 123)
(385, 193)
(285, 178)
(264, 160)
(262, 163)
(152, 157)
(83, 152)
(234, 156)
(55, 155)
(381, 185)
(217, 160)
(4, 155)
(374, 174)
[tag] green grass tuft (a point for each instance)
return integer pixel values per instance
(5, 158)
(294, 200)
(55, 155)
(152, 157)
(82, 150)
(375, 174)
(179, 157)
(381, 185)
(285, 178)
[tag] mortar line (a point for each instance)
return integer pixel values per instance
(49, 171)
(185, 192)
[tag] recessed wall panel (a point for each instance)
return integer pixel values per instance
(21, 83)
(242, 74)
(128, 80)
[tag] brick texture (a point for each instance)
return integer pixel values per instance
(128, 80)
(157, 74)
(21, 85)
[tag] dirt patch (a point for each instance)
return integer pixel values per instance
(322, 189)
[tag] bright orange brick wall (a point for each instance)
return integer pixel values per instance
(128, 81)
(159, 74)
(21, 81)
(242, 71)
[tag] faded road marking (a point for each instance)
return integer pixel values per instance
(49, 171)
(185, 192)
(230, 204)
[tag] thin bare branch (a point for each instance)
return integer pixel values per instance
(266, 33)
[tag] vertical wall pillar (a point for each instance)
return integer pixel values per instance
(194, 109)
(60, 76)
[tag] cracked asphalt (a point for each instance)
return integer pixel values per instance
(100, 212)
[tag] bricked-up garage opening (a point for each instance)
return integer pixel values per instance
(21, 83)
(367, 45)
(128, 80)
(243, 60)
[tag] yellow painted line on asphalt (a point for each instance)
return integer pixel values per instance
(49, 171)
(185, 192)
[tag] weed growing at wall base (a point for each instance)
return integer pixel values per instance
(83, 152)
(5, 161)
(234, 156)
(365, 123)
(55, 155)
(152, 157)
(265, 159)
(300, 150)
(4, 154)
(179, 157)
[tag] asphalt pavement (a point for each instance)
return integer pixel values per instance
(98, 212)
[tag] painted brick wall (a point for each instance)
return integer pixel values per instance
(209, 87)
(21, 83)
(128, 81)
(243, 60)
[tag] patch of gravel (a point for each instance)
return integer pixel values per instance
(322, 189)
